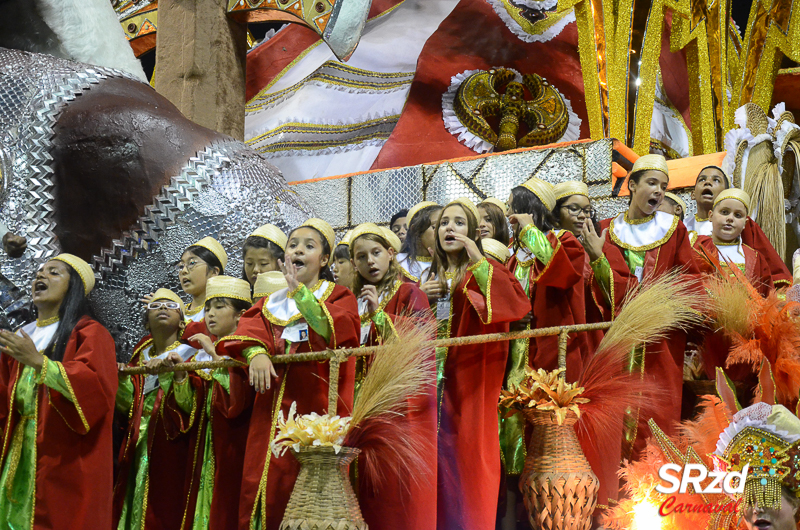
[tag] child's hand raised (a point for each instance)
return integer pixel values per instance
(370, 294)
(290, 273)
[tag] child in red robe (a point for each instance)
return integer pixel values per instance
(155, 487)
(227, 400)
(480, 296)
(58, 381)
(311, 314)
(384, 300)
(638, 244)
(725, 249)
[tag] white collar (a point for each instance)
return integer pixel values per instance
(282, 310)
(642, 234)
(733, 253)
(703, 227)
(184, 350)
(414, 268)
(199, 316)
(41, 336)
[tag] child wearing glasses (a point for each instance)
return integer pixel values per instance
(152, 488)
(311, 314)
(548, 263)
(223, 400)
(573, 208)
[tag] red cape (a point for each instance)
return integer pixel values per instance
(303, 383)
(74, 464)
(469, 446)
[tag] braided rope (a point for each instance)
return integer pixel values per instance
(344, 353)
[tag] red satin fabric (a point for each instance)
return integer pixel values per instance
(74, 467)
(306, 384)
(469, 447)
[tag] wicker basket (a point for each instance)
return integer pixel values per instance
(323, 498)
(558, 486)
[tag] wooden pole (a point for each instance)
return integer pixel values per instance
(200, 63)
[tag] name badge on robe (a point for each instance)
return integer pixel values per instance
(365, 332)
(443, 308)
(150, 384)
(638, 271)
(296, 332)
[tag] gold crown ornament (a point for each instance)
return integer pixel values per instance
(734, 193)
(82, 268)
(213, 246)
(228, 287)
(767, 439)
(392, 239)
(495, 249)
(543, 190)
(323, 228)
(569, 188)
(271, 233)
(268, 283)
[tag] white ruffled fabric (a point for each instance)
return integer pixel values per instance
(668, 127)
(549, 34)
(477, 144)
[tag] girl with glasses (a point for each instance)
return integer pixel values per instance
(573, 208)
(548, 264)
(58, 380)
(156, 454)
(201, 261)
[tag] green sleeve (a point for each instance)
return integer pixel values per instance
(602, 272)
(50, 376)
(251, 352)
(481, 272)
(184, 395)
(384, 325)
(222, 376)
(312, 311)
(536, 242)
(125, 393)
(634, 259)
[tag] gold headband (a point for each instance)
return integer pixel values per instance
(569, 188)
(416, 208)
(213, 246)
(655, 162)
(268, 283)
(677, 199)
(543, 190)
(271, 233)
(323, 228)
(468, 205)
(497, 202)
(228, 287)
(347, 238)
(495, 249)
(733, 193)
(166, 294)
(82, 268)
(391, 238)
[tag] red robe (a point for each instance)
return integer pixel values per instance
(556, 292)
(74, 463)
(230, 421)
(303, 383)
(469, 448)
(754, 237)
(716, 346)
(663, 361)
(172, 440)
(395, 506)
